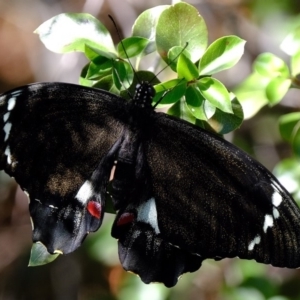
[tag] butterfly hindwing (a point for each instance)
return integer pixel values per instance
(52, 149)
(142, 249)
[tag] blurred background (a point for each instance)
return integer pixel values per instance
(93, 272)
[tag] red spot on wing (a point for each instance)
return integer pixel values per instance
(94, 208)
(125, 219)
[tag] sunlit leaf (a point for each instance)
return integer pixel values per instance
(186, 69)
(40, 256)
(181, 25)
(133, 46)
(145, 26)
(269, 65)
(291, 44)
(295, 63)
(216, 93)
(223, 122)
(222, 54)
(252, 94)
(276, 89)
(71, 32)
(288, 173)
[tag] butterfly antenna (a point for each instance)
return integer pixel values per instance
(166, 92)
(119, 35)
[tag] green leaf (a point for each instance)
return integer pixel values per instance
(173, 56)
(105, 83)
(270, 65)
(216, 93)
(71, 32)
(181, 110)
(291, 44)
(288, 125)
(134, 46)
(288, 173)
(122, 74)
(169, 92)
(82, 78)
(195, 102)
(198, 105)
(276, 89)
(295, 63)
(223, 122)
(162, 87)
(40, 256)
(145, 26)
(98, 68)
(222, 54)
(296, 141)
(186, 68)
(92, 53)
(209, 109)
(178, 25)
(252, 94)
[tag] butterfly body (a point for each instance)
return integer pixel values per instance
(182, 194)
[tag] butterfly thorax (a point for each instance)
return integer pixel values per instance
(143, 96)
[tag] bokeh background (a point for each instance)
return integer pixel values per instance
(93, 272)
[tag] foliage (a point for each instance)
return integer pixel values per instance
(194, 95)
(268, 84)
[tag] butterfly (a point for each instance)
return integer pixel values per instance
(182, 194)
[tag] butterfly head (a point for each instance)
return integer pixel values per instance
(144, 93)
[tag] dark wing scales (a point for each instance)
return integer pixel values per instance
(215, 200)
(54, 136)
(151, 257)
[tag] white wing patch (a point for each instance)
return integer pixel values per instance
(147, 213)
(275, 213)
(7, 128)
(11, 103)
(8, 154)
(6, 116)
(85, 192)
(276, 198)
(269, 222)
(254, 242)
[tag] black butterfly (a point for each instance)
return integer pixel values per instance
(182, 194)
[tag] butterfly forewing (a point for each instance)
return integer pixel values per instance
(54, 137)
(220, 202)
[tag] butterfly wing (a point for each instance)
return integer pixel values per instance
(207, 199)
(54, 137)
(228, 199)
